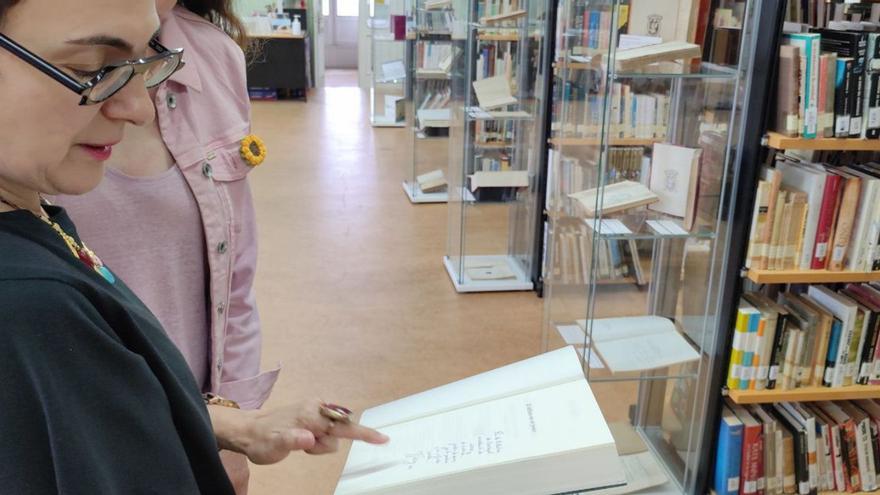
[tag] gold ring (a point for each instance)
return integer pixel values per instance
(336, 413)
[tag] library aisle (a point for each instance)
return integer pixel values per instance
(353, 295)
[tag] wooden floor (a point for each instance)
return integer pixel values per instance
(354, 298)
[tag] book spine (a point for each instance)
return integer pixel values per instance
(778, 353)
(866, 368)
(872, 82)
(812, 111)
(728, 459)
(757, 364)
(846, 216)
(856, 121)
(828, 118)
(748, 370)
(825, 227)
(751, 457)
(841, 98)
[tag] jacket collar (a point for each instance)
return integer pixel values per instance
(173, 36)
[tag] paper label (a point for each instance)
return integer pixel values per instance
(750, 487)
(821, 250)
(811, 118)
(774, 372)
(838, 253)
(829, 374)
(842, 126)
(736, 371)
(874, 117)
(733, 484)
(865, 370)
(760, 484)
(762, 372)
(826, 120)
(791, 125)
(855, 125)
(804, 487)
(876, 373)
(748, 373)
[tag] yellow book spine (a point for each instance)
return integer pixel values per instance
(734, 373)
(756, 360)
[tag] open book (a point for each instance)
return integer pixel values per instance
(493, 92)
(615, 197)
(530, 428)
(639, 343)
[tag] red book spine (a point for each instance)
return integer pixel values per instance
(827, 216)
(585, 41)
(752, 454)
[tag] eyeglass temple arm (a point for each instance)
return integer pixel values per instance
(37, 62)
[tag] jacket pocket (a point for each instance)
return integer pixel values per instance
(227, 161)
(251, 393)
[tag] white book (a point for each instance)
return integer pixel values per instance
(431, 181)
(639, 343)
(493, 92)
(845, 310)
(507, 178)
(857, 256)
(674, 177)
(530, 428)
(811, 182)
(809, 423)
(615, 197)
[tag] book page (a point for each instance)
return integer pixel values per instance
(673, 170)
(393, 70)
(615, 196)
(642, 472)
(511, 178)
(645, 353)
(493, 92)
(523, 428)
(630, 327)
(559, 366)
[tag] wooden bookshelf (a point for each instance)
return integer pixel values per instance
(810, 277)
(595, 141)
(498, 37)
(804, 394)
(778, 141)
(504, 17)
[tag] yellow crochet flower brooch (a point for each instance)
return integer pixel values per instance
(253, 150)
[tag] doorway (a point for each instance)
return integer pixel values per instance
(341, 33)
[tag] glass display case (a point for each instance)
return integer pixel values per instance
(642, 152)
(432, 55)
(497, 144)
(388, 32)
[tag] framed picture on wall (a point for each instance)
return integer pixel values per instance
(671, 20)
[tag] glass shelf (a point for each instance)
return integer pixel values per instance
(646, 225)
(679, 70)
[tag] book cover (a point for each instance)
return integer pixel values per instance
(809, 46)
(729, 454)
(855, 45)
(787, 91)
(812, 182)
(849, 202)
(827, 217)
(842, 100)
(872, 88)
(752, 449)
(845, 310)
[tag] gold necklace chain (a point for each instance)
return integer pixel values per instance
(79, 250)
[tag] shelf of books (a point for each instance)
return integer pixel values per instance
(433, 59)
(802, 410)
(639, 156)
(387, 26)
(497, 141)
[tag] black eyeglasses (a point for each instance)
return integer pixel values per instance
(108, 80)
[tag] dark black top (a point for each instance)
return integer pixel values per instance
(94, 397)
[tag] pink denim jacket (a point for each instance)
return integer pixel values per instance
(203, 121)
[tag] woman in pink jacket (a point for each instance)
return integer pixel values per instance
(174, 215)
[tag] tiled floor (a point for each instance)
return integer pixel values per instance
(354, 298)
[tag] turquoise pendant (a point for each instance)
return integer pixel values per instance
(107, 274)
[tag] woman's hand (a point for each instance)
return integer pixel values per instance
(268, 436)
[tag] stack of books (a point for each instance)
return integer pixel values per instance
(801, 448)
(816, 216)
(829, 82)
(821, 338)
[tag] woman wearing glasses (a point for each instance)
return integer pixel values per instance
(174, 215)
(96, 398)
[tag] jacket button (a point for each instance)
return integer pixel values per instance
(219, 365)
(221, 248)
(221, 308)
(207, 170)
(172, 101)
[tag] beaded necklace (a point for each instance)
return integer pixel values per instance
(79, 251)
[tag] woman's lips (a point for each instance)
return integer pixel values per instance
(100, 153)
